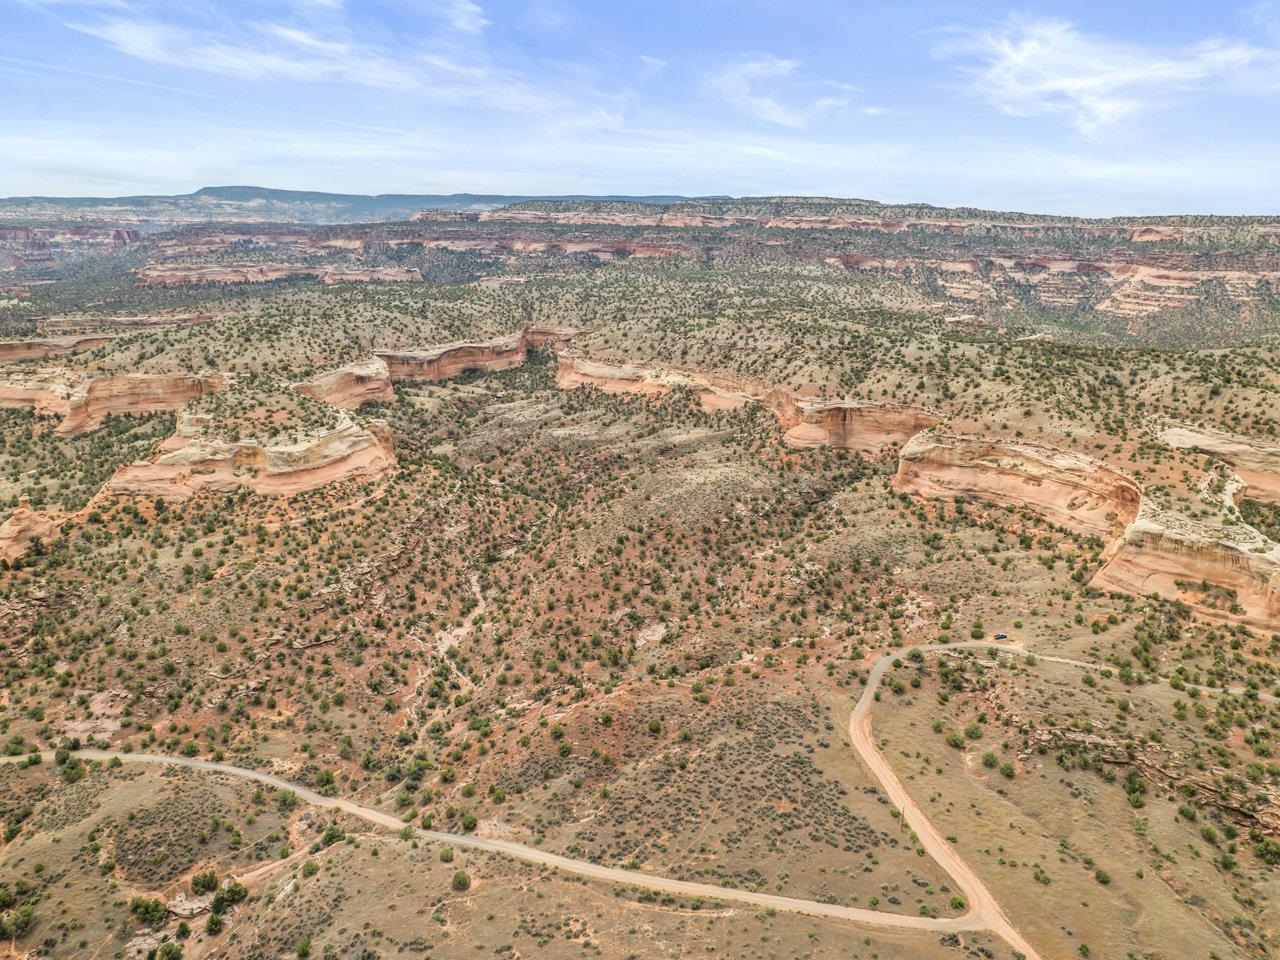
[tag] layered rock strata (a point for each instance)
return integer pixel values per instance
(366, 381)
(191, 461)
(1066, 488)
(1257, 462)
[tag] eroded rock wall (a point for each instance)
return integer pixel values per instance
(366, 381)
(1232, 581)
(190, 461)
(1257, 462)
(451, 359)
(1069, 489)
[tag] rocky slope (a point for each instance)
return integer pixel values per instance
(191, 461)
(1068, 489)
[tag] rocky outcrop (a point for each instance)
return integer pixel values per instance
(14, 350)
(191, 461)
(1257, 462)
(176, 275)
(1074, 491)
(555, 339)
(84, 401)
(366, 381)
(869, 428)
(100, 397)
(24, 527)
(1227, 574)
(452, 359)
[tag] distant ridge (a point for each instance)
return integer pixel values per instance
(238, 203)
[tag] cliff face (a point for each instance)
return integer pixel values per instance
(83, 402)
(189, 462)
(451, 359)
(177, 275)
(1068, 489)
(88, 406)
(868, 428)
(13, 350)
(367, 381)
(1234, 581)
(24, 527)
(1256, 461)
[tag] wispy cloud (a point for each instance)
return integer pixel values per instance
(281, 52)
(1044, 66)
(743, 85)
(465, 16)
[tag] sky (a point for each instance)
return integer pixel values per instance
(1086, 108)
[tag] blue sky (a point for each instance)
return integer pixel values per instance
(1086, 108)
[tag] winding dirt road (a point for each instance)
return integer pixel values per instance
(982, 913)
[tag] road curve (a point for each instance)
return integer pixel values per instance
(982, 913)
(983, 908)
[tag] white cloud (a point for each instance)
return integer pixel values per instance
(465, 16)
(296, 56)
(1032, 67)
(739, 84)
(650, 65)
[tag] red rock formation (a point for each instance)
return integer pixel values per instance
(869, 428)
(189, 462)
(366, 381)
(84, 401)
(24, 527)
(1074, 491)
(133, 393)
(850, 424)
(13, 350)
(1177, 557)
(451, 359)
(1257, 462)
(554, 339)
(173, 275)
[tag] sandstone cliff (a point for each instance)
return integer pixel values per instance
(1226, 574)
(850, 424)
(451, 359)
(24, 527)
(190, 461)
(89, 404)
(84, 401)
(1256, 461)
(366, 381)
(14, 350)
(869, 428)
(1074, 491)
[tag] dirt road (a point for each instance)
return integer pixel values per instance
(982, 913)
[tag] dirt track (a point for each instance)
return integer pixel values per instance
(982, 913)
